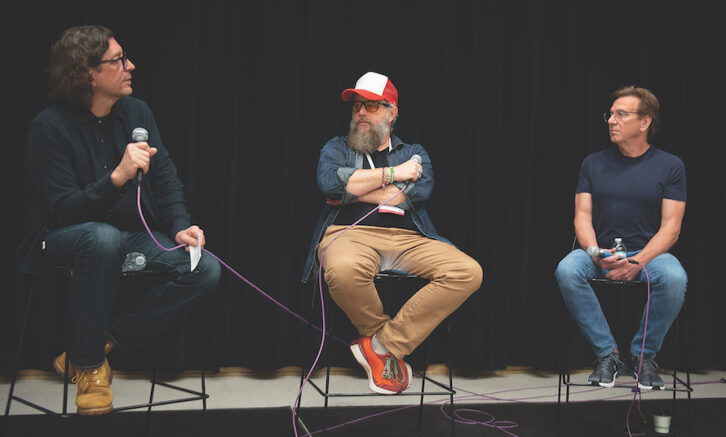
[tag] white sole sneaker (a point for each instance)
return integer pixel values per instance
(358, 354)
(607, 384)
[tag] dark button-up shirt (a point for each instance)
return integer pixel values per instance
(69, 175)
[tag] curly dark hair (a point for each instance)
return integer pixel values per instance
(77, 50)
(648, 105)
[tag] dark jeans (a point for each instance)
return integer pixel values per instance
(95, 252)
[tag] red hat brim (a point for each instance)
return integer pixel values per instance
(348, 95)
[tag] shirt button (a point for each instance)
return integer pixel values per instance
(101, 140)
(105, 167)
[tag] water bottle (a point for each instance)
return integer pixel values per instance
(620, 248)
(134, 262)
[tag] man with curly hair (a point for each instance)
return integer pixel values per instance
(82, 164)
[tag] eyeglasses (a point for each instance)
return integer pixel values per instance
(371, 105)
(123, 58)
(619, 115)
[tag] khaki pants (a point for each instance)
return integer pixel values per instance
(352, 261)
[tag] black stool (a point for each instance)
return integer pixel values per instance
(391, 277)
(64, 273)
(601, 286)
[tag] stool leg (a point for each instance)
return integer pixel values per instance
(153, 386)
(329, 328)
(675, 371)
(65, 384)
(67, 330)
(451, 402)
(450, 366)
(204, 391)
(204, 404)
(18, 353)
(688, 404)
(567, 389)
(421, 401)
(304, 370)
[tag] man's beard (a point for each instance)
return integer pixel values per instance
(367, 140)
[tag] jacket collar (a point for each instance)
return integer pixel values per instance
(85, 115)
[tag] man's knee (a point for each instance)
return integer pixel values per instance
(567, 271)
(207, 273)
(475, 274)
(467, 273)
(347, 270)
(675, 279)
(101, 240)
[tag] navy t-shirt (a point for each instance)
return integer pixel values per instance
(627, 193)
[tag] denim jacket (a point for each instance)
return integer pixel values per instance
(338, 161)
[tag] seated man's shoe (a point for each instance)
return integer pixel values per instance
(94, 390)
(386, 374)
(649, 377)
(607, 369)
(59, 363)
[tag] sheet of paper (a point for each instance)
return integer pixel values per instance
(195, 252)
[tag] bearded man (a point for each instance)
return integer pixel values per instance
(371, 169)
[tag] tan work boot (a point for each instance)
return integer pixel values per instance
(59, 363)
(94, 390)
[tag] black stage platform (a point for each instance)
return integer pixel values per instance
(591, 419)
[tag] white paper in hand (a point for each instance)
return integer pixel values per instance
(195, 252)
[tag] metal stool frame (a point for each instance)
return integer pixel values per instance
(565, 372)
(65, 273)
(391, 276)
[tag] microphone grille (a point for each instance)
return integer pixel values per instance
(416, 158)
(140, 135)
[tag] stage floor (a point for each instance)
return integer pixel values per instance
(258, 403)
(232, 388)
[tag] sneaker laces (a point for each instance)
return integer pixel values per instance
(603, 364)
(393, 369)
(649, 367)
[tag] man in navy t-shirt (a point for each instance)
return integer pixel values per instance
(637, 193)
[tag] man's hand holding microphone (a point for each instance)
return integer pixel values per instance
(136, 159)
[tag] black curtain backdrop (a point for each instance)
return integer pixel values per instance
(506, 97)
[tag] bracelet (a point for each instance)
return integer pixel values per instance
(391, 176)
(383, 177)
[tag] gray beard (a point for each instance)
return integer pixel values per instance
(367, 141)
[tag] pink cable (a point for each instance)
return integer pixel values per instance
(636, 390)
(322, 306)
(503, 426)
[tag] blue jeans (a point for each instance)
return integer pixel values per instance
(95, 252)
(668, 283)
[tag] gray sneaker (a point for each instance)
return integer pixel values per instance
(607, 369)
(649, 377)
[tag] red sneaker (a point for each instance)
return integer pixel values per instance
(387, 375)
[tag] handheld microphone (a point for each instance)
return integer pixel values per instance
(597, 252)
(416, 158)
(139, 135)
